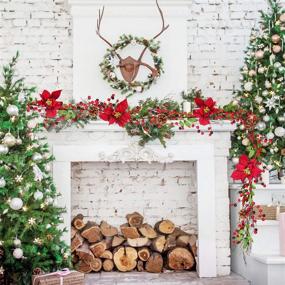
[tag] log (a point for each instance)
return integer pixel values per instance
(73, 232)
(158, 244)
(165, 227)
(84, 253)
(144, 253)
(170, 242)
(78, 222)
(193, 244)
(108, 230)
(183, 241)
(180, 258)
(83, 267)
(147, 231)
(108, 241)
(108, 265)
(178, 232)
(135, 219)
(98, 248)
(96, 264)
(92, 232)
(117, 240)
(76, 242)
(129, 232)
(140, 266)
(107, 254)
(138, 242)
(74, 259)
(125, 258)
(155, 263)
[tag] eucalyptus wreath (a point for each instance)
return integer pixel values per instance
(108, 68)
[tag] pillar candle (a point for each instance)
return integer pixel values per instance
(186, 107)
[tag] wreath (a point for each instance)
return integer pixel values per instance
(108, 67)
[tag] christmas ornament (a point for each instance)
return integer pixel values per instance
(2, 182)
(19, 178)
(261, 70)
(9, 140)
(281, 119)
(38, 195)
(276, 48)
(275, 39)
(266, 118)
(17, 242)
(261, 126)
(270, 136)
(37, 156)
(32, 124)
(252, 73)
(16, 204)
(245, 142)
(48, 168)
(259, 54)
(267, 84)
(277, 64)
(38, 173)
(18, 253)
(49, 200)
(19, 141)
(265, 93)
(279, 132)
(242, 127)
(282, 18)
(32, 221)
(271, 103)
(261, 109)
(3, 149)
(258, 99)
(248, 86)
(235, 160)
(12, 110)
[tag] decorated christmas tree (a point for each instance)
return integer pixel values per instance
(260, 140)
(262, 92)
(30, 239)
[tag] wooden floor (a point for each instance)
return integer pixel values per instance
(168, 278)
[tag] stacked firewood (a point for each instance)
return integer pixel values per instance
(137, 246)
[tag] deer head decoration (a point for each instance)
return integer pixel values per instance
(130, 66)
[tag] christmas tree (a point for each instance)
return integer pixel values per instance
(262, 92)
(30, 239)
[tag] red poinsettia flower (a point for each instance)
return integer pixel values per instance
(118, 114)
(246, 169)
(49, 102)
(206, 109)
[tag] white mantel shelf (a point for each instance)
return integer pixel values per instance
(128, 2)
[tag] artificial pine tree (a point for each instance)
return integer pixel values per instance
(263, 91)
(29, 234)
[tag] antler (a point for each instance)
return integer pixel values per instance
(99, 21)
(163, 29)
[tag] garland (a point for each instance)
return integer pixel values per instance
(156, 119)
(108, 65)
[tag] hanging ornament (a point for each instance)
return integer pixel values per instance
(37, 173)
(49, 200)
(281, 119)
(259, 54)
(235, 160)
(279, 132)
(9, 140)
(276, 48)
(264, 93)
(277, 64)
(242, 127)
(19, 141)
(38, 195)
(266, 118)
(261, 109)
(3, 149)
(271, 103)
(17, 242)
(261, 70)
(37, 156)
(48, 168)
(12, 110)
(267, 84)
(275, 39)
(248, 86)
(245, 142)
(18, 253)
(258, 99)
(2, 182)
(261, 126)
(16, 204)
(252, 73)
(32, 124)
(270, 136)
(282, 18)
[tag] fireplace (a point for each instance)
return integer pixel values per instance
(102, 145)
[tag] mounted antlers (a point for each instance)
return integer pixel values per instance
(129, 66)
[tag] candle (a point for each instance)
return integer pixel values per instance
(186, 106)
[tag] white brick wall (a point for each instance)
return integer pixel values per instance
(109, 191)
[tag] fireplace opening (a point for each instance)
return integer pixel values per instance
(134, 216)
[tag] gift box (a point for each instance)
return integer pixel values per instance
(64, 277)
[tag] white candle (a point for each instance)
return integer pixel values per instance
(186, 107)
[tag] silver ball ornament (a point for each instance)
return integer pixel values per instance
(266, 118)
(2, 182)
(19, 141)
(16, 204)
(261, 126)
(248, 86)
(37, 156)
(49, 200)
(281, 119)
(235, 160)
(270, 136)
(279, 132)
(259, 54)
(9, 140)
(3, 149)
(258, 99)
(261, 109)
(245, 142)
(12, 110)
(17, 242)
(18, 253)
(38, 195)
(261, 70)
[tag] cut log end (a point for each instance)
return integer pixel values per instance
(135, 219)
(125, 258)
(154, 263)
(180, 258)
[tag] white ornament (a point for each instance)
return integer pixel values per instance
(248, 86)
(265, 93)
(259, 54)
(277, 64)
(49, 200)
(48, 226)
(266, 118)
(18, 253)
(261, 126)
(32, 124)
(235, 102)
(267, 84)
(12, 110)
(2, 182)
(242, 127)
(3, 149)
(261, 70)
(261, 109)
(279, 132)
(19, 141)
(48, 168)
(245, 142)
(258, 99)
(9, 140)
(281, 119)
(17, 242)
(16, 204)
(38, 195)
(270, 136)
(37, 173)
(235, 160)
(271, 103)
(37, 156)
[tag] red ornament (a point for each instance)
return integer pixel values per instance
(49, 102)
(206, 109)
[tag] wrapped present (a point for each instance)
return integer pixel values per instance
(63, 277)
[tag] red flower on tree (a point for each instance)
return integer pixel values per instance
(206, 109)
(246, 169)
(118, 114)
(49, 102)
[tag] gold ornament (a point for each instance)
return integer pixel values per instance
(282, 18)
(275, 39)
(276, 48)
(259, 54)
